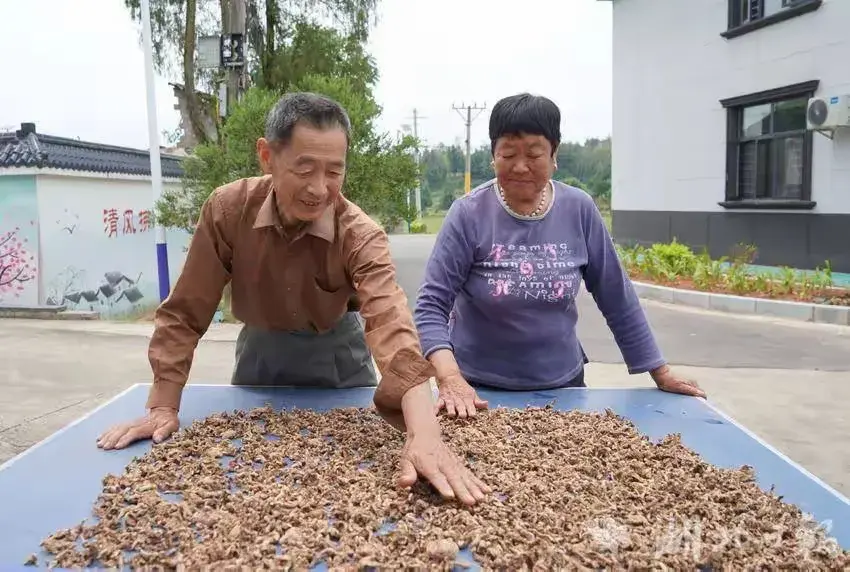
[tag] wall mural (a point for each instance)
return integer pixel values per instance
(106, 266)
(71, 289)
(98, 250)
(18, 242)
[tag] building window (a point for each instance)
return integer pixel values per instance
(769, 149)
(749, 15)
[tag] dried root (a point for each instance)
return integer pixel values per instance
(285, 490)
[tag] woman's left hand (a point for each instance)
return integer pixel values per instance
(666, 380)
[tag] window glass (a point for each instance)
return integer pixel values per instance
(789, 115)
(755, 120)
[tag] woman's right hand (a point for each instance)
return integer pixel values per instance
(458, 398)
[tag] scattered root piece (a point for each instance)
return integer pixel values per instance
(442, 549)
(574, 490)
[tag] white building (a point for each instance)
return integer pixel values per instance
(710, 137)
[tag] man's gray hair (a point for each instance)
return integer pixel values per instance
(316, 110)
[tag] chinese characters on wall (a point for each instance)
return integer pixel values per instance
(117, 221)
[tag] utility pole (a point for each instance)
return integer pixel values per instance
(233, 50)
(468, 119)
(417, 157)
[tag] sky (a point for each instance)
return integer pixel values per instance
(78, 69)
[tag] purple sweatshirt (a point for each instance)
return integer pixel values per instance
(500, 290)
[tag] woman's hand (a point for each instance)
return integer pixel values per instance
(666, 380)
(458, 398)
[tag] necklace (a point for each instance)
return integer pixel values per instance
(536, 212)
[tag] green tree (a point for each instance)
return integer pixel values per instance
(379, 171)
(318, 50)
(213, 164)
(585, 165)
(590, 163)
(177, 24)
(573, 182)
(436, 168)
(457, 160)
(479, 165)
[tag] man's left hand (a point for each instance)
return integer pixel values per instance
(428, 456)
(668, 381)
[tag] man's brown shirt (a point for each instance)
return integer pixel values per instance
(302, 282)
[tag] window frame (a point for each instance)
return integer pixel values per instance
(734, 107)
(791, 9)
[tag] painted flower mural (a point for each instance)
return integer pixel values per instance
(17, 264)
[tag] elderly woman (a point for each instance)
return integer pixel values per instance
(497, 307)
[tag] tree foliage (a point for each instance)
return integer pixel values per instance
(270, 24)
(585, 165)
(322, 60)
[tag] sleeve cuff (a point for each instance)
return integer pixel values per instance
(165, 394)
(398, 380)
(647, 368)
(428, 352)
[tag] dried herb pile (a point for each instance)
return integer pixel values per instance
(284, 490)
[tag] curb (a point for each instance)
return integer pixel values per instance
(45, 313)
(800, 311)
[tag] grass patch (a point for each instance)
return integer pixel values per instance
(433, 222)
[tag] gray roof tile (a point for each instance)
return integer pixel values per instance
(26, 148)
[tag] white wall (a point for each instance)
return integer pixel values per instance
(78, 249)
(671, 69)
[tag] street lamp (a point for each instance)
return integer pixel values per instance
(153, 136)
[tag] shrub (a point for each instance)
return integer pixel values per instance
(676, 258)
(677, 264)
(418, 227)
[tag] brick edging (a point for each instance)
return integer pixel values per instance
(801, 311)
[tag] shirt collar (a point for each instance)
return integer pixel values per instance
(268, 215)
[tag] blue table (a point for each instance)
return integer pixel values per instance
(53, 484)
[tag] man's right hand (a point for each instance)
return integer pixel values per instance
(458, 398)
(159, 424)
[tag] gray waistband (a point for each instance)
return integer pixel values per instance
(337, 358)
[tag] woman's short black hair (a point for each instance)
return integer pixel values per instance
(525, 114)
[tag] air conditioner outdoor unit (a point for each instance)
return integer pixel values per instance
(828, 112)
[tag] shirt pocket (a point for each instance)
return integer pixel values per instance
(330, 274)
(331, 288)
(328, 306)
(331, 293)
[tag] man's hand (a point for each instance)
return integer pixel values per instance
(666, 380)
(430, 457)
(458, 398)
(159, 424)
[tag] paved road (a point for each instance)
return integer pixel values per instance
(686, 336)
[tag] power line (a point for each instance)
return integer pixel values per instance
(468, 119)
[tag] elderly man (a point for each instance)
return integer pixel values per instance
(296, 251)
